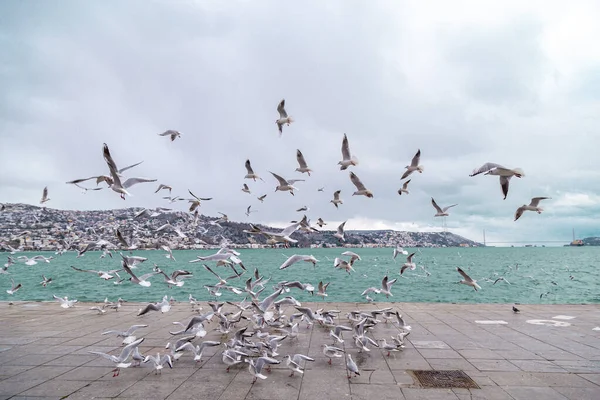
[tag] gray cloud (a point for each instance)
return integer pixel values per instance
(390, 76)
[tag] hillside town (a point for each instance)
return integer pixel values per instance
(40, 228)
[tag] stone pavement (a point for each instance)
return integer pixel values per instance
(545, 352)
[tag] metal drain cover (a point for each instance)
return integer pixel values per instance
(444, 379)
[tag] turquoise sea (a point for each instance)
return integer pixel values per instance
(567, 274)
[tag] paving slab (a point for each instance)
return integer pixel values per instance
(45, 353)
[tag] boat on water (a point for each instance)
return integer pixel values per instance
(577, 242)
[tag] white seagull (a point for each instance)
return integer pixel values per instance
(408, 264)
(498, 170)
(284, 185)
(303, 166)
(250, 173)
(283, 117)
(116, 184)
(64, 301)
(441, 212)
(360, 188)
(340, 231)
(44, 196)
(347, 158)
(120, 360)
(296, 258)
(171, 133)
(404, 188)
(336, 198)
(533, 206)
(414, 165)
(246, 189)
(468, 280)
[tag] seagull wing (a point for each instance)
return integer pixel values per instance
(281, 109)
(114, 172)
(405, 184)
(504, 181)
(446, 208)
(536, 200)
(464, 275)
(340, 228)
(436, 206)
(519, 212)
(356, 181)
(134, 181)
(345, 148)
(485, 168)
(300, 159)
(249, 168)
(416, 159)
(282, 182)
(290, 261)
(129, 167)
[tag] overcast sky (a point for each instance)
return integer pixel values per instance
(511, 82)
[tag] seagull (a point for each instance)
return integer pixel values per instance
(106, 275)
(173, 134)
(353, 256)
(294, 362)
(283, 117)
(296, 258)
(45, 281)
(336, 198)
(332, 352)
(127, 335)
(408, 264)
(120, 360)
(401, 323)
(347, 158)
(13, 289)
(116, 184)
(256, 369)
(142, 280)
(321, 189)
(196, 200)
(342, 264)
(197, 350)
(441, 212)
(251, 174)
(515, 309)
(467, 279)
(360, 188)
(504, 173)
(44, 196)
(399, 250)
(414, 166)
(161, 187)
(248, 211)
(404, 188)
(340, 232)
(159, 362)
(65, 302)
(164, 306)
(320, 222)
(246, 189)
(322, 288)
(262, 198)
(303, 166)
(386, 286)
(284, 185)
(351, 366)
(533, 206)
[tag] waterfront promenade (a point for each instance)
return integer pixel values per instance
(544, 352)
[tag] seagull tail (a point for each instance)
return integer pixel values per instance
(354, 161)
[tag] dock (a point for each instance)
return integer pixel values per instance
(543, 352)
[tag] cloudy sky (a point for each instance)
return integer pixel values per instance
(511, 82)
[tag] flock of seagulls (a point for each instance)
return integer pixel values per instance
(268, 320)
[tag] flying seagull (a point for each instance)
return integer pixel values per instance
(404, 188)
(467, 279)
(246, 189)
(533, 206)
(44, 196)
(116, 184)
(251, 174)
(340, 231)
(303, 166)
(262, 198)
(414, 166)
(173, 134)
(283, 117)
(196, 200)
(504, 173)
(360, 188)
(284, 185)
(336, 198)
(441, 212)
(347, 158)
